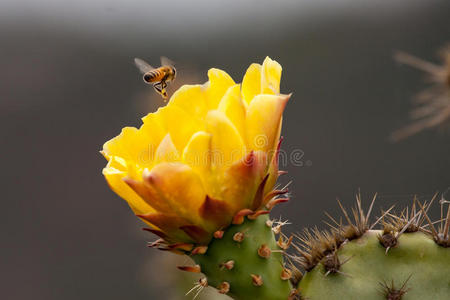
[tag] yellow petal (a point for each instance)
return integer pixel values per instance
(180, 186)
(233, 107)
(251, 83)
(166, 152)
(180, 125)
(192, 99)
(263, 121)
(153, 128)
(197, 152)
(219, 83)
(227, 145)
(114, 177)
(271, 76)
(131, 144)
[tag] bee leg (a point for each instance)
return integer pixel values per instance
(163, 84)
(157, 87)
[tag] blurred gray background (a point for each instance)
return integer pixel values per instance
(67, 84)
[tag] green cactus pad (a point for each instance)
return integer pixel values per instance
(406, 260)
(417, 263)
(267, 284)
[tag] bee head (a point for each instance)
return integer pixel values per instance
(174, 71)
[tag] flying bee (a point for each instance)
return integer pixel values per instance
(158, 77)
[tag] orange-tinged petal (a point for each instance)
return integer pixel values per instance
(219, 83)
(258, 199)
(169, 223)
(114, 178)
(180, 186)
(251, 83)
(166, 152)
(217, 212)
(233, 107)
(148, 194)
(198, 234)
(270, 77)
(241, 180)
(263, 120)
(227, 145)
(273, 168)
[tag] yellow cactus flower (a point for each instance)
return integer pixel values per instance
(206, 159)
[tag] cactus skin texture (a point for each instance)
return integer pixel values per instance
(405, 260)
(243, 263)
(417, 268)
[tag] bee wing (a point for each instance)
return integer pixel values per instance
(142, 65)
(166, 62)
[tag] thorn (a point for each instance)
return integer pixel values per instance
(371, 206)
(199, 250)
(224, 287)
(239, 217)
(192, 269)
(277, 229)
(156, 243)
(331, 263)
(264, 251)
(284, 245)
(227, 265)
(380, 218)
(286, 274)
(218, 234)
(257, 214)
(269, 223)
(257, 280)
(393, 293)
(282, 172)
(435, 234)
(203, 282)
(238, 237)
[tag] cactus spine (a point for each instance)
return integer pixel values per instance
(404, 260)
(245, 262)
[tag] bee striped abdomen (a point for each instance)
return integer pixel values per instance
(154, 75)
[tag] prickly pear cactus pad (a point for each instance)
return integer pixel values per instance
(403, 260)
(246, 262)
(417, 266)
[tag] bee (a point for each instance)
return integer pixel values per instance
(158, 77)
